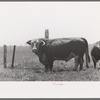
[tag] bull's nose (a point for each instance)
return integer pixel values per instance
(34, 50)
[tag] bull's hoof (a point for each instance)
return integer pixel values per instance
(80, 68)
(98, 68)
(75, 69)
(46, 71)
(87, 66)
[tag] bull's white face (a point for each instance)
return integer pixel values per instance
(36, 45)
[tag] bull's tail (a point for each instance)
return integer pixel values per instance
(87, 57)
(87, 53)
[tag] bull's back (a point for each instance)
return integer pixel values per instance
(63, 47)
(95, 52)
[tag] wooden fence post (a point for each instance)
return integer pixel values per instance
(5, 56)
(13, 57)
(47, 34)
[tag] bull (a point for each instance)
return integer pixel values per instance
(49, 50)
(95, 53)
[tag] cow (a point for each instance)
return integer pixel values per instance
(49, 50)
(95, 53)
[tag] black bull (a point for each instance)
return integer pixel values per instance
(95, 53)
(49, 50)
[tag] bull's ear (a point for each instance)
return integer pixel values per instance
(29, 42)
(42, 42)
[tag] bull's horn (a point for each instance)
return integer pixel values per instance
(29, 42)
(43, 42)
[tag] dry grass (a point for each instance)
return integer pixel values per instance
(28, 68)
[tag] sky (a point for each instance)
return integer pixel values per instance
(22, 21)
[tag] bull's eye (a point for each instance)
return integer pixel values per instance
(37, 45)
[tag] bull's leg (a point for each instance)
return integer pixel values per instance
(51, 65)
(87, 59)
(76, 63)
(94, 62)
(81, 63)
(46, 68)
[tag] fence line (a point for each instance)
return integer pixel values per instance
(5, 56)
(14, 49)
(13, 57)
(46, 33)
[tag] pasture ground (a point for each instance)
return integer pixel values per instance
(28, 68)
